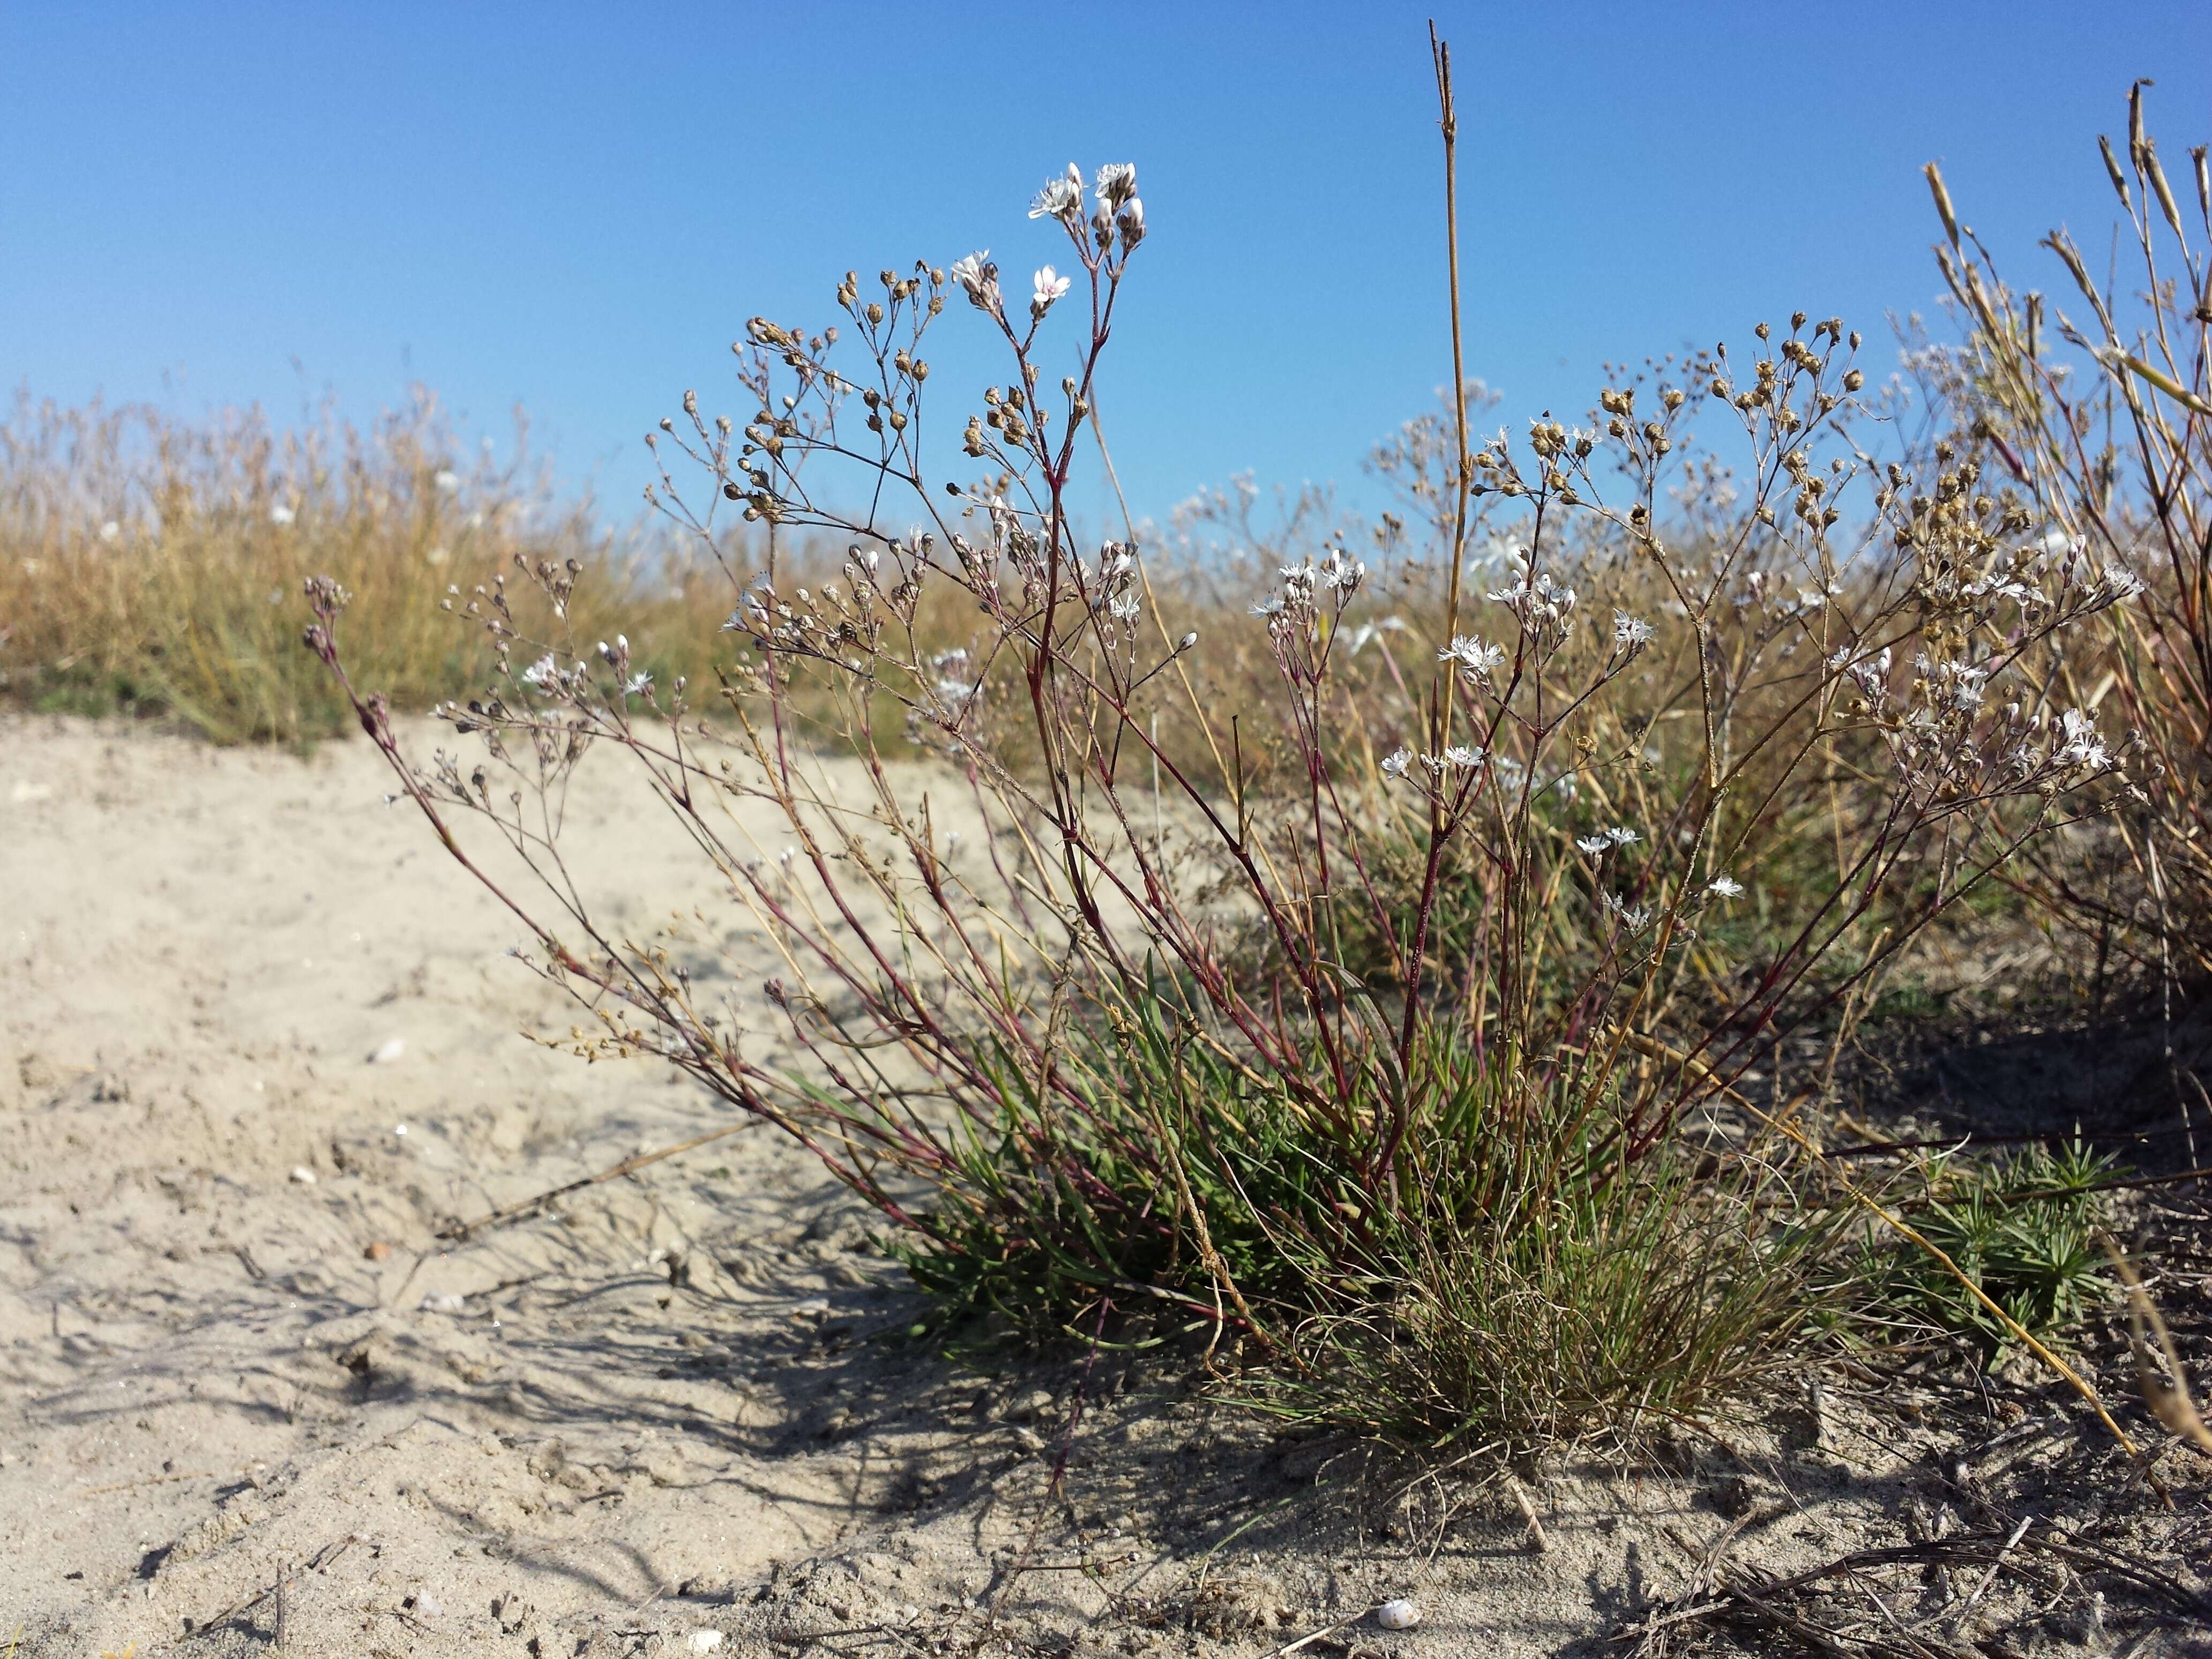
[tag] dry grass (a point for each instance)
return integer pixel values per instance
(150, 566)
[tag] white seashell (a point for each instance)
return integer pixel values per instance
(388, 1051)
(1398, 1615)
(443, 1301)
(303, 1174)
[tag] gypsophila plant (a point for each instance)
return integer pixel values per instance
(2095, 406)
(1504, 1191)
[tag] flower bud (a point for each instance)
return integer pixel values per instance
(1129, 219)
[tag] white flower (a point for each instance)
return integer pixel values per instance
(1595, 846)
(1340, 570)
(110, 532)
(1632, 917)
(2121, 583)
(635, 684)
(1267, 605)
(1060, 198)
(1621, 835)
(979, 278)
(2082, 746)
(544, 674)
(1117, 182)
(1124, 607)
(448, 483)
(1395, 762)
(1049, 286)
(1633, 632)
(1725, 887)
(281, 514)
(1472, 654)
(1462, 756)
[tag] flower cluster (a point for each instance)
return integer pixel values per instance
(1474, 658)
(1545, 606)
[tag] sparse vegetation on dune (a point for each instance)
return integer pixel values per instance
(1402, 1000)
(1414, 1075)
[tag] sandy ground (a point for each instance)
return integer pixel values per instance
(251, 1398)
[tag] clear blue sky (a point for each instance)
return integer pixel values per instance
(576, 209)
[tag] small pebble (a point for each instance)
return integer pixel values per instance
(1398, 1615)
(429, 1606)
(704, 1641)
(303, 1174)
(387, 1051)
(378, 1250)
(443, 1302)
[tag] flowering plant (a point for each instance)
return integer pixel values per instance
(1445, 1191)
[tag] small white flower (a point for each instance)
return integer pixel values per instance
(1129, 219)
(448, 483)
(1117, 182)
(1463, 756)
(1049, 285)
(1633, 632)
(1123, 607)
(1472, 654)
(1060, 198)
(281, 514)
(979, 278)
(1340, 570)
(1595, 846)
(110, 532)
(1725, 887)
(1631, 917)
(1267, 605)
(2082, 746)
(635, 684)
(1395, 762)
(544, 674)
(1621, 835)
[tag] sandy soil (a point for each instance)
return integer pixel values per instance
(259, 1040)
